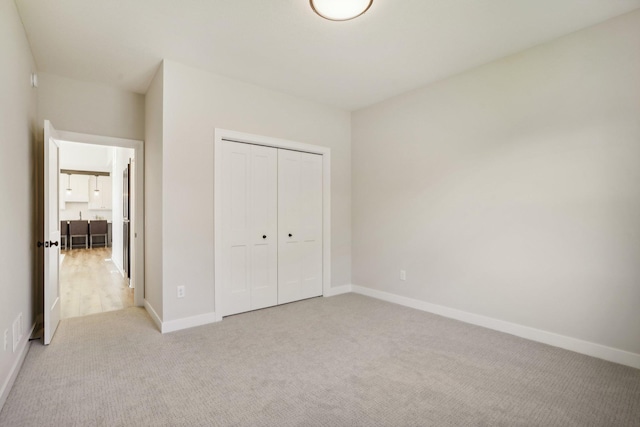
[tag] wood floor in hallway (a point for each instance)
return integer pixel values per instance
(90, 283)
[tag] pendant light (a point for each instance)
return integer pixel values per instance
(340, 10)
(69, 190)
(96, 191)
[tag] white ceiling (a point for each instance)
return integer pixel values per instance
(396, 46)
(85, 157)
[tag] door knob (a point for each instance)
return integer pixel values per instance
(290, 235)
(264, 236)
(47, 244)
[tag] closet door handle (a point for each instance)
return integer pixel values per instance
(290, 235)
(264, 236)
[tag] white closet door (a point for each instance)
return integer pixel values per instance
(299, 226)
(249, 217)
(264, 226)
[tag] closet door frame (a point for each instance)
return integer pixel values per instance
(233, 136)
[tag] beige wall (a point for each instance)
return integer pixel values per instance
(512, 190)
(197, 102)
(17, 182)
(91, 108)
(153, 176)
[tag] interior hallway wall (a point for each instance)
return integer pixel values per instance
(18, 232)
(195, 103)
(153, 183)
(511, 190)
(92, 108)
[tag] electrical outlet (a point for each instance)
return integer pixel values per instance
(403, 275)
(6, 339)
(180, 291)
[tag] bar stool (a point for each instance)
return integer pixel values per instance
(79, 228)
(64, 233)
(98, 228)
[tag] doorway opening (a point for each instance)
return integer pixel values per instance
(95, 218)
(101, 215)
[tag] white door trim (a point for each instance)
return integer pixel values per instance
(138, 147)
(247, 138)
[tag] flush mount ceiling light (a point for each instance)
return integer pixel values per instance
(340, 10)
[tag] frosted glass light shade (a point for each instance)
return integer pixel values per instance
(340, 10)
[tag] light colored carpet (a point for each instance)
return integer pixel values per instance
(342, 361)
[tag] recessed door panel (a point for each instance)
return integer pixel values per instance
(238, 195)
(249, 215)
(311, 225)
(299, 225)
(262, 168)
(260, 258)
(239, 270)
(264, 226)
(235, 176)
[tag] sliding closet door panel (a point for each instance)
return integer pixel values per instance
(249, 217)
(264, 223)
(289, 190)
(311, 225)
(235, 254)
(299, 225)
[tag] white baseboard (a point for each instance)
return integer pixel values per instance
(23, 349)
(568, 343)
(118, 267)
(154, 316)
(188, 322)
(338, 290)
(179, 324)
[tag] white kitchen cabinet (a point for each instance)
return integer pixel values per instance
(79, 188)
(103, 199)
